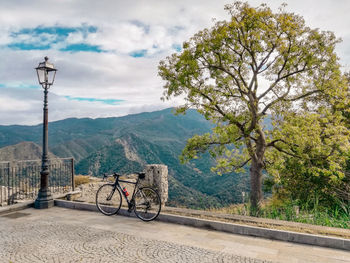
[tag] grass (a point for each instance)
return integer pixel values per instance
(81, 179)
(317, 215)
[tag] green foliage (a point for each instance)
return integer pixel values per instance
(311, 158)
(260, 63)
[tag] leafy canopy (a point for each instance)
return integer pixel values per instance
(261, 64)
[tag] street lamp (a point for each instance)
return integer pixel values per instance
(46, 76)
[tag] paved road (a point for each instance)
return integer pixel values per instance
(64, 235)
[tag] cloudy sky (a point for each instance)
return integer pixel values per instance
(107, 51)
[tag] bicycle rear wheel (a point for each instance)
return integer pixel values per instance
(108, 199)
(147, 204)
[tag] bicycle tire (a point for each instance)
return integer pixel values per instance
(147, 204)
(105, 206)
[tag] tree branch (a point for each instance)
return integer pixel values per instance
(272, 143)
(283, 151)
(242, 164)
(263, 61)
(303, 96)
(263, 112)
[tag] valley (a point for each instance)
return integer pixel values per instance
(126, 144)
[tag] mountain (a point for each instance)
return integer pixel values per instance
(22, 151)
(126, 144)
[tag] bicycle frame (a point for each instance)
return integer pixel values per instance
(131, 201)
(147, 206)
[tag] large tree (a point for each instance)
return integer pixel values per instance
(257, 65)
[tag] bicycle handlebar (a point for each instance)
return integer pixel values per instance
(140, 174)
(110, 175)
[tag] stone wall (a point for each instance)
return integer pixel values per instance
(157, 177)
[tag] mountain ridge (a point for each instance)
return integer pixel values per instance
(127, 143)
(22, 151)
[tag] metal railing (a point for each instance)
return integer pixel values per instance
(20, 180)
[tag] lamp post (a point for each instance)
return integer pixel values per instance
(46, 76)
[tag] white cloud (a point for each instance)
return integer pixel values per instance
(75, 37)
(122, 27)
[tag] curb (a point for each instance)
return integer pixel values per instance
(16, 207)
(87, 207)
(289, 236)
(28, 204)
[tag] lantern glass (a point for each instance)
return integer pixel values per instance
(46, 72)
(51, 76)
(41, 75)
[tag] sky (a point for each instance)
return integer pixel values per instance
(107, 52)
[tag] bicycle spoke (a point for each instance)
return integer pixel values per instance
(147, 204)
(108, 199)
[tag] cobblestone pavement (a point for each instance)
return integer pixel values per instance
(59, 242)
(65, 235)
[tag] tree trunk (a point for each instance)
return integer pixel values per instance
(256, 194)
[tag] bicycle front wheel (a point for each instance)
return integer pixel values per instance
(108, 199)
(147, 204)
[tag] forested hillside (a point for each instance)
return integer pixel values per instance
(127, 143)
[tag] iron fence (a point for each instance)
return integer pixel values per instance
(20, 180)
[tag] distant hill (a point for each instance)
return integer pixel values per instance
(22, 151)
(126, 144)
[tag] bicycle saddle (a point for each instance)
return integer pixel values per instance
(142, 175)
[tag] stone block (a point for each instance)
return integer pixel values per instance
(73, 195)
(157, 177)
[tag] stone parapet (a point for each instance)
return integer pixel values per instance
(157, 177)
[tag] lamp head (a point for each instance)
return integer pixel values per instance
(46, 72)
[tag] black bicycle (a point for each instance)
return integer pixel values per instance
(145, 201)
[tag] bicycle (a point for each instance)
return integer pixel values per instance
(145, 201)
